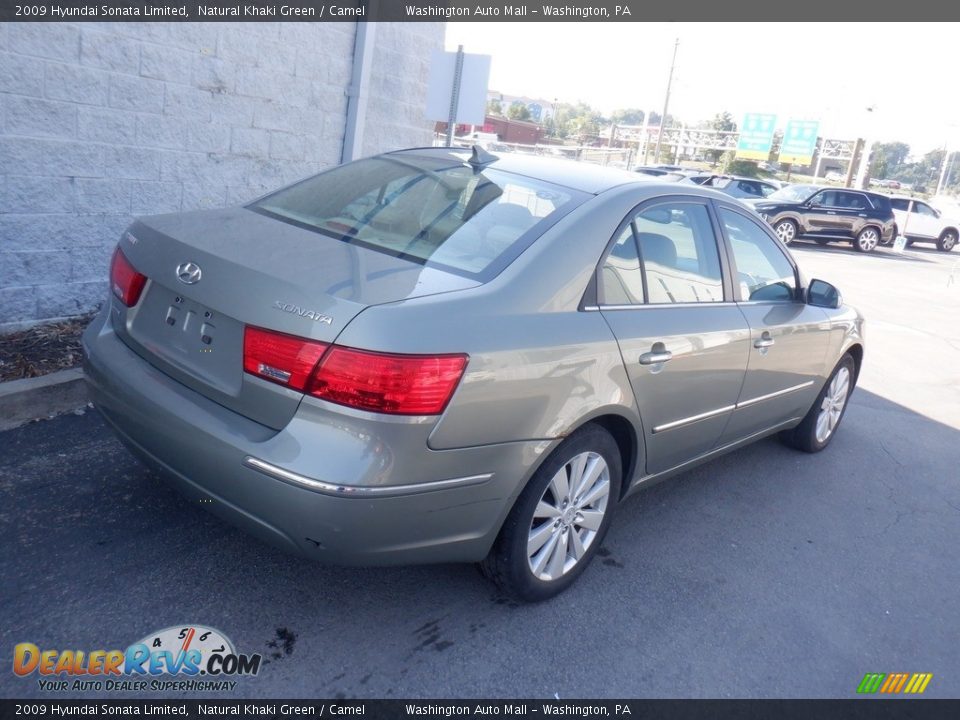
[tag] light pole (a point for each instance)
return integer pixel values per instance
(864, 169)
(666, 102)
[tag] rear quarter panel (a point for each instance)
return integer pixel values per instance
(539, 366)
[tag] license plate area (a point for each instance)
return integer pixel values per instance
(192, 338)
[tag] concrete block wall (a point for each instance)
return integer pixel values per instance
(102, 122)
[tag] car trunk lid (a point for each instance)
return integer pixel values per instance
(211, 273)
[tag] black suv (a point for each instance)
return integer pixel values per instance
(826, 214)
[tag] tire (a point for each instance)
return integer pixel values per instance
(867, 239)
(820, 424)
(786, 230)
(893, 238)
(545, 516)
(947, 241)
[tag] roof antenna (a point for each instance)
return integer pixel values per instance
(480, 157)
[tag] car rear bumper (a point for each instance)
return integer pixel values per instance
(331, 485)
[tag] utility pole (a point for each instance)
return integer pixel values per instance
(666, 102)
(943, 169)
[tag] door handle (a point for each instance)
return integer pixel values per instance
(764, 341)
(831, 212)
(655, 357)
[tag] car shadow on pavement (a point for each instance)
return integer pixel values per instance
(778, 563)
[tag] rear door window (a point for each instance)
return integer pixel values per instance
(430, 212)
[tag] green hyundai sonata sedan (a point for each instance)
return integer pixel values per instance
(441, 355)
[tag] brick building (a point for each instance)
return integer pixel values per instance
(100, 122)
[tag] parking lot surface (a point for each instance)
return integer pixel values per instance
(766, 573)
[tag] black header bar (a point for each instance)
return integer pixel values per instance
(462, 11)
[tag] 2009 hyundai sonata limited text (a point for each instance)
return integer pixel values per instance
(441, 355)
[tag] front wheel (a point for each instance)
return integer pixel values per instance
(947, 241)
(867, 240)
(559, 520)
(786, 230)
(819, 425)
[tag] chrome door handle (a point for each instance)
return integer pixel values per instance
(763, 342)
(655, 358)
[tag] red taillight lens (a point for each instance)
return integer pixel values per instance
(381, 382)
(125, 281)
(283, 359)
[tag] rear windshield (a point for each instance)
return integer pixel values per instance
(433, 213)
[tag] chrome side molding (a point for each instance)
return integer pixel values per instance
(359, 491)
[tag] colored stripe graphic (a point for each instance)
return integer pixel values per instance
(871, 682)
(893, 683)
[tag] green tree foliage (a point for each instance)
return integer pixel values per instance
(629, 116)
(518, 111)
(722, 122)
(888, 159)
(494, 107)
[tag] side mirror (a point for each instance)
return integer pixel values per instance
(820, 293)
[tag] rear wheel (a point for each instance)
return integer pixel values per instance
(867, 239)
(820, 423)
(947, 241)
(559, 520)
(786, 230)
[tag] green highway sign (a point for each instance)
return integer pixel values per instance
(799, 142)
(756, 136)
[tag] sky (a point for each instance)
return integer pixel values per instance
(831, 72)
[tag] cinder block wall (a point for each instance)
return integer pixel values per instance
(101, 122)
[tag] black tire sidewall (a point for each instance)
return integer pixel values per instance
(511, 547)
(808, 428)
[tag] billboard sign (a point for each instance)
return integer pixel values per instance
(799, 142)
(756, 136)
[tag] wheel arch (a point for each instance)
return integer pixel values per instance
(856, 352)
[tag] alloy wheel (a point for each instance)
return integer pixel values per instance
(868, 239)
(948, 241)
(833, 403)
(569, 515)
(786, 231)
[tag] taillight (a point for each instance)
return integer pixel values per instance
(387, 383)
(380, 382)
(283, 359)
(125, 281)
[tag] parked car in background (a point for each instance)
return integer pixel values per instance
(437, 356)
(834, 176)
(920, 222)
(734, 186)
(828, 214)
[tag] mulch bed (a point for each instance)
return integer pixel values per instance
(42, 349)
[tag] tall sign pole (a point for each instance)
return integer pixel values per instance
(666, 102)
(455, 95)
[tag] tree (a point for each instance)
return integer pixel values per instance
(722, 122)
(630, 116)
(494, 107)
(888, 159)
(518, 111)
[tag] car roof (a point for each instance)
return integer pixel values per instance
(582, 176)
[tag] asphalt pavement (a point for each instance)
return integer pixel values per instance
(766, 573)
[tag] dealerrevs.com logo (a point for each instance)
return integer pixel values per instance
(201, 657)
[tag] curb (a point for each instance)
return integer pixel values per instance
(33, 398)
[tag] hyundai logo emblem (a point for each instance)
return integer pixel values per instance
(189, 273)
